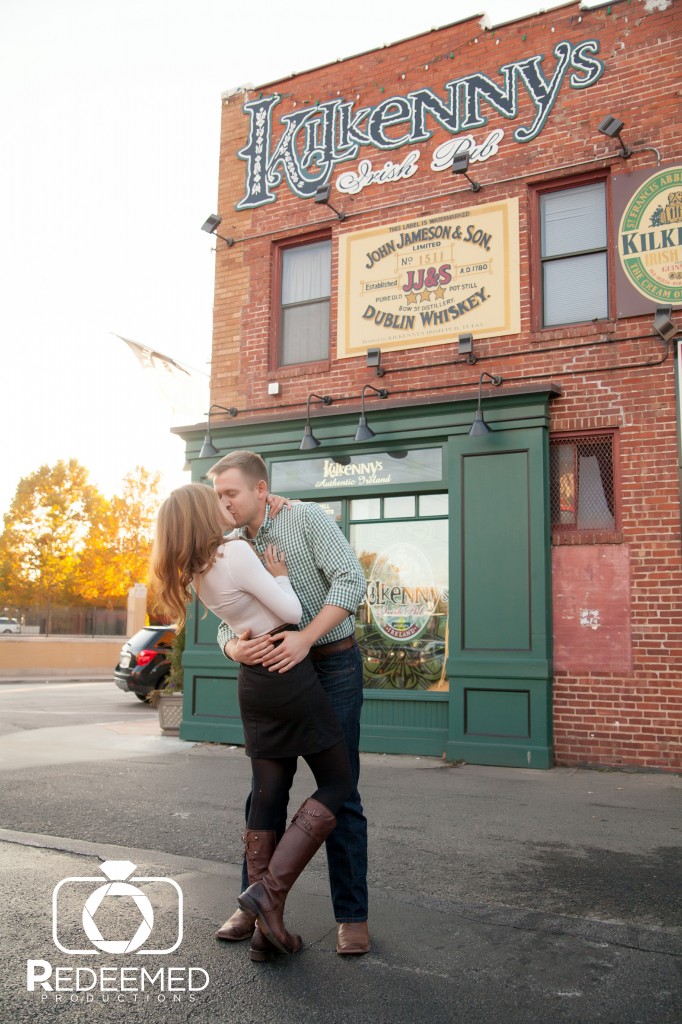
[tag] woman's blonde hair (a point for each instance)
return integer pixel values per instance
(190, 528)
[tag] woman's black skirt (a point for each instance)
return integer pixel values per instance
(287, 714)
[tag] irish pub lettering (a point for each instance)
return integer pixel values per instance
(315, 139)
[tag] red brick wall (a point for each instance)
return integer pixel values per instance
(608, 718)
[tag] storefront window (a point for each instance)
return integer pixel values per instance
(402, 625)
(433, 504)
(365, 508)
(399, 507)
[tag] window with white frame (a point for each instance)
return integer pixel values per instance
(573, 252)
(304, 302)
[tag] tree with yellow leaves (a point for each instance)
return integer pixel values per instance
(65, 543)
(45, 533)
(116, 555)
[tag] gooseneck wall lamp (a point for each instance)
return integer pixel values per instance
(364, 432)
(309, 441)
(612, 127)
(211, 225)
(322, 195)
(479, 427)
(460, 165)
(208, 449)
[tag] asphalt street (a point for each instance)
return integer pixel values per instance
(501, 895)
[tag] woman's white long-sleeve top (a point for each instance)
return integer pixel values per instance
(240, 591)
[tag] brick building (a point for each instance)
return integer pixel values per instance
(524, 602)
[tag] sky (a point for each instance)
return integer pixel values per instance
(109, 133)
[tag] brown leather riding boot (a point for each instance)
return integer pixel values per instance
(241, 924)
(309, 828)
(259, 847)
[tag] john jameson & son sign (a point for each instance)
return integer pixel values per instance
(423, 282)
(317, 138)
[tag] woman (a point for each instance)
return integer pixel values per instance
(285, 715)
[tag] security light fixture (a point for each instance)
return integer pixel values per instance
(612, 127)
(208, 449)
(365, 433)
(374, 360)
(465, 347)
(309, 441)
(210, 227)
(322, 195)
(479, 427)
(663, 325)
(460, 165)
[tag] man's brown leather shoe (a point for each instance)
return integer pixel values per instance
(238, 927)
(353, 939)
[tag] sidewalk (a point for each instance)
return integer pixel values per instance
(36, 676)
(497, 895)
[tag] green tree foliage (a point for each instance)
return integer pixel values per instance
(65, 543)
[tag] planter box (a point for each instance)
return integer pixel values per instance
(170, 712)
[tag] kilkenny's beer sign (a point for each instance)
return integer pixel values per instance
(311, 141)
(425, 281)
(650, 238)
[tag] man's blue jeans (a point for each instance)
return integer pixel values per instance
(341, 678)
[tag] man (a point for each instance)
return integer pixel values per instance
(330, 584)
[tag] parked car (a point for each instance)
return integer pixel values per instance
(9, 625)
(144, 661)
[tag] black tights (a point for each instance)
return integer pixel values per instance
(272, 778)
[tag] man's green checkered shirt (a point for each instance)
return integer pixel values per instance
(322, 566)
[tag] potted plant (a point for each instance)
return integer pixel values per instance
(168, 698)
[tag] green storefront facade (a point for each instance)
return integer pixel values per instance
(453, 532)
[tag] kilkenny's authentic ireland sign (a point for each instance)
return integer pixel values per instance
(348, 472)
(305, 148)
(425, 281)
(650, 238)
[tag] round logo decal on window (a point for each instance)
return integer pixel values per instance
(401, 593)
(650, 238)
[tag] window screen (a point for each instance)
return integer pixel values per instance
(582, 482)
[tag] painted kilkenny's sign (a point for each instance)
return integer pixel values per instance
(402, 595)
(649, 240)
(425, 281)
(314, 139)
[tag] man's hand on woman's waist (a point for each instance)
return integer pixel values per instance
(249, 651)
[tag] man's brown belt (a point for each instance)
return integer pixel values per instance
(324, 650)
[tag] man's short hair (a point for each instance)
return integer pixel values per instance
(251, 465)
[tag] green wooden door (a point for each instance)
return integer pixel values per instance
(500, 637)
